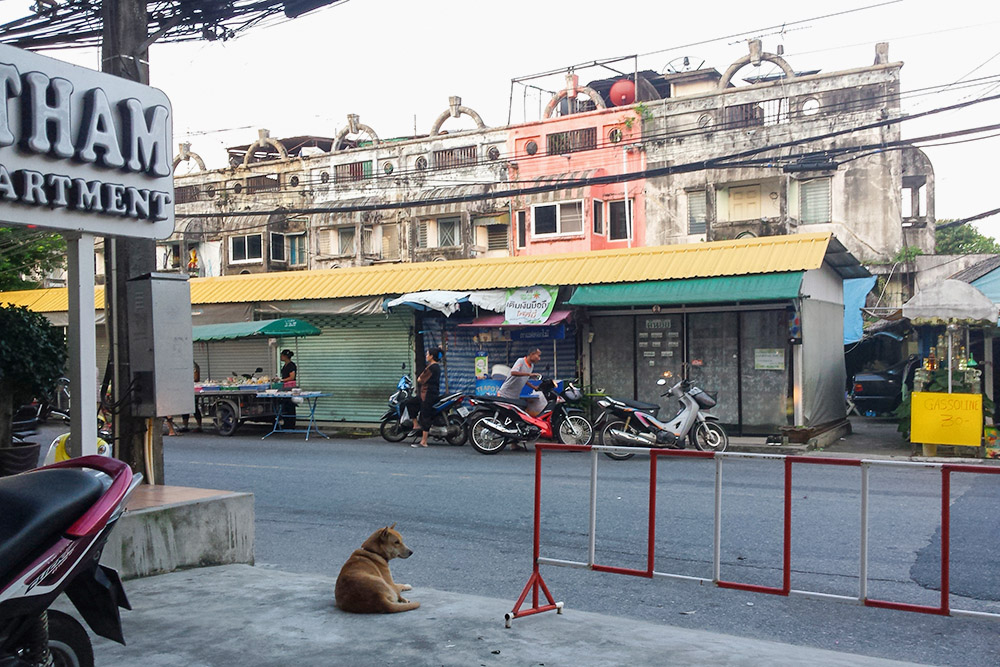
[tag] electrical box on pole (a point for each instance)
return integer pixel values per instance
(159, 345)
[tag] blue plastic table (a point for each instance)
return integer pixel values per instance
(308, 397)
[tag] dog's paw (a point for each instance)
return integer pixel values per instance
(405, 587)
(401, 599)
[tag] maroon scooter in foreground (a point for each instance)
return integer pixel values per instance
(54, 522)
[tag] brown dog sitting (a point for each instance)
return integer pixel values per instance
(365, 585)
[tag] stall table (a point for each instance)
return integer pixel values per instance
(278, 399)
(231, 406)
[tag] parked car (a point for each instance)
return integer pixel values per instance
(878, 392)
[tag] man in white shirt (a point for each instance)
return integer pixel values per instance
(520, 373)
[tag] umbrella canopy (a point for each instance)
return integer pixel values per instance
(284, 327)
(950, 301)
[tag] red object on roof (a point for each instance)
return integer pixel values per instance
(491, 321)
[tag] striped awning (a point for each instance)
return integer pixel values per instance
(578, 192)
(473, 193)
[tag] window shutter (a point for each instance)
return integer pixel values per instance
(496, 237)
(814, 201)
(697, 213)
(571, 217)
(422, 234)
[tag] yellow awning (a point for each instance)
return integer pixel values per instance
(775, 254)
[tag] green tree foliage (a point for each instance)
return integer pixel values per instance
(963, 240)
(32, 358)
(27, 256)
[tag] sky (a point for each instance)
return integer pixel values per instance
(396, 62)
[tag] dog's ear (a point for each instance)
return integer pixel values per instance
(393, 525)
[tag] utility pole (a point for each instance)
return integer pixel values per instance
(124, 53)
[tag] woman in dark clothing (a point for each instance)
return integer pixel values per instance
(288, 369)
(430, 391)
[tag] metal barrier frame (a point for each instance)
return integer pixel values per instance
(536, 585)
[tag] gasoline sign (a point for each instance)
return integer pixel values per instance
(946, 419)
(82, 150)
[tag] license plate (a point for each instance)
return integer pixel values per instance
(463, 411)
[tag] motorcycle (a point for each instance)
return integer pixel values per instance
(448, 422)
(635, 424)
(55, 524)
(498, 421)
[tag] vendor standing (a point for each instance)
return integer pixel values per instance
(288, 372)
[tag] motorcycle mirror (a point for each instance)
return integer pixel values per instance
(402, 366)
(259, 370)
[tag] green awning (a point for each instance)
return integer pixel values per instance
(725, 289)
(287, 326)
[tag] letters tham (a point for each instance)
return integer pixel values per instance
(124, 137)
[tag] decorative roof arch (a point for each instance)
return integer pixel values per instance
(455, 109)
(264, 139)
(184, 153)
(354, 126)
(572, 89)
(756, 55)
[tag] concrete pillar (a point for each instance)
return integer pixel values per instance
(82, 344)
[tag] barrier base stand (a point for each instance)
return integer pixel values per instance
(535, 582)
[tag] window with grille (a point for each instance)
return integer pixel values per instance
(263, 183)
(185, 194)
(354, 171)
(496, 237)
(583, 139)
(455, 157)
(814, 201)
(246, 249)
(599, 217)
(522, 229)
(557, 219)
(448, 232)
(697, 212)
(368, 241)
(422, 234)
(618, 222)
(768, 112)
(296, 249)
(277, 247)
(345, 240)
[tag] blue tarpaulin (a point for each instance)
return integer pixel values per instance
(855, 292)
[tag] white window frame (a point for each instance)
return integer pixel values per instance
(703, 195)
(558, 233)
(304, 256)
(456, 220)
(340, 244)
(284, 251)
(598, 206)
(246, 247)
(629, 218)
(829, 201)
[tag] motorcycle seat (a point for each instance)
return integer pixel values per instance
(37, 508)
(519, 402)
(651, 408)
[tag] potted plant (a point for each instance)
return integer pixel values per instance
(32, 357)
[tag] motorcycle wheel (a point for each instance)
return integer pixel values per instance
(608, 439)
(483, 439)
(710, 437)
(575, 430)
(459, 438)
(390, 430)
(69, 643)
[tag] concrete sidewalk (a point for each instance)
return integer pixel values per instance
(250, 616)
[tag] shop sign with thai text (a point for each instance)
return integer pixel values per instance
(529, 305)
(81, 150)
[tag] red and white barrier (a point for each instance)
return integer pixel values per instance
(536, 585)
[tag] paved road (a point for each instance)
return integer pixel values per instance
(468, 518)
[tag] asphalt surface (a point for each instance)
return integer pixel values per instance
(468, 519)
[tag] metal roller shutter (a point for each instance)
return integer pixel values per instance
(220, 359)
(357, 359)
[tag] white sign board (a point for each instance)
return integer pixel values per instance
(529, 305)
(81, 150)
(768, 359)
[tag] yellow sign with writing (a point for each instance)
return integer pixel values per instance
(946, 419)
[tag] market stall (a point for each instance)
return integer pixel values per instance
(946, 406)
(244, 396)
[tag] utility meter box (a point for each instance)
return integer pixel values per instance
(160, 349)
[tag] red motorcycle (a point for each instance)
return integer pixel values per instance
(54, 524)
(497, 422)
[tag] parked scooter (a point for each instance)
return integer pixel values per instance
(400, 420)
(56, 521)
(498, 421)
(634, 424)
